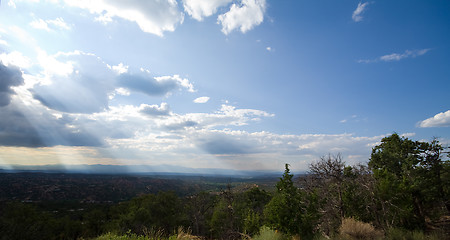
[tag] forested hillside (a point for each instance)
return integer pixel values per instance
(402, 193)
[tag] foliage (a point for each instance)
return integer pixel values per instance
(249, 207)
(402, 234)
(162, 211)
(240, 212)
(288, 210)
(199, 208)
(408, 181)
(224, 219)
(25, 221)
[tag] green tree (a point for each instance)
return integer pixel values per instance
(249, 206)
(358, 194)
(409, 180)
(163, 211)
(290, 210)
(224, 221)
(433, 172)
(200, 208)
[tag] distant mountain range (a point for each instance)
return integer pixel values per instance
(135, 170)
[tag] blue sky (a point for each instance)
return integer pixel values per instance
(236, 84)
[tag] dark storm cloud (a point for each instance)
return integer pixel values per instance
(64, 101)
(85, 90)
(155, 110)
(181, 125)
(9, 76)
(147, 84)
(19, 127)
(225, 145)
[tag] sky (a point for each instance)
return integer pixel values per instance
(231, 84)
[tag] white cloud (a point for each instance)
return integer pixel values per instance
(78, 82)
(198, 9)
(122, 91)
(244, 16)
(57, 23)
(201, 100)
(357, 14)
(152, 16)
(53, 66)
(269, 49)
(151, 134)
(120, 68)
(397, 56)
(299, 150)
(206, 136)
(408, 135)
(119, 91)
(228, 116)
(406, 54)
(439, 120)
(40, 24)
(104, 19)
(15, 58)
(11, 4)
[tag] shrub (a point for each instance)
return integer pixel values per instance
(400, 234)
(354, 229)
(265, 233)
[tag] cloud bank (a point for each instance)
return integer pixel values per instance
(159, 16)
(152, 16)
(439, 120)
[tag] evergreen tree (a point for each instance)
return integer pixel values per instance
(409, 180)
(289, 211)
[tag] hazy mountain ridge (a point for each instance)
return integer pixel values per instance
(135, 169)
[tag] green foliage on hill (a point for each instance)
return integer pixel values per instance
(404, 190)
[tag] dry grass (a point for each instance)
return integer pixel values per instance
(186, 234)
(354, 229)
(265, 233)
